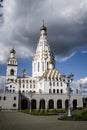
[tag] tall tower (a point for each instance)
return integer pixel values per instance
(11, 74)
(43, 55)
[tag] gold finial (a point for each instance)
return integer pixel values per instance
(43, 27)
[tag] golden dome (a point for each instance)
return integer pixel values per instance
(43, 28)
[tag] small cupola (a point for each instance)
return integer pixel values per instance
(51, 64)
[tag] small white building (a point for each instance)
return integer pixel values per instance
(46, 82)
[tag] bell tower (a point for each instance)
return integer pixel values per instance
(11, 73)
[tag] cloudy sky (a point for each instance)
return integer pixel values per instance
(66, 22)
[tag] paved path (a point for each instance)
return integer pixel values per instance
(12, 120)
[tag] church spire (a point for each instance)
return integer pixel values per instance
(43, 54)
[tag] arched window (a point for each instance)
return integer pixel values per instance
(59, 104)
(42, 104)
(12, 72)
(33, 103)
(4, 98)
(51, 104)
(74, 103)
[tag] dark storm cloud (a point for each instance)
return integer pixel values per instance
(66, 22)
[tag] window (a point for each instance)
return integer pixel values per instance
(13, 90)
(14, 105)
(57, 90)
(38, 66)
(61, 91)
(50, 84)
(42, 66)
(30, 85)
(10, 86)
(0, 97)
(57, 84)
(14, 98)
(12, 72)
(53, 83)
(53, 90)
(4, 98)
(49, 90)
(34, 86)
(61, 83)
(23, 85)
(23, 91)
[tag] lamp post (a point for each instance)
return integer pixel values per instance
(69, 80)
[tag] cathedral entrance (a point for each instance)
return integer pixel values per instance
(24, 104)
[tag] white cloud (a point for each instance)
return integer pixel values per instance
(66, 22)
(81, 85)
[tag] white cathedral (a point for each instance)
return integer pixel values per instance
(46, 86)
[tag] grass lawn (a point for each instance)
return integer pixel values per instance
(44, 112)
(76, 117)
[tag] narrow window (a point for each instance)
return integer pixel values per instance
(50, 84)
(57, 90)
(57, 84)
(53, 90)
(12, 72)
(10, 86)
(38, 66)
(61, 83)
(4, 98)
(14, 98)
(42, 66)
(61, 91)
(53, 83)
(49, 90)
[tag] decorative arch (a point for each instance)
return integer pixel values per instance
(42, 104)
(33, 104)
(51, 104)
(75, 103)
(59, 104)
